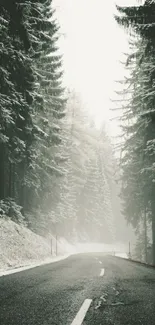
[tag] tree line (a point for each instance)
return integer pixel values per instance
(138, 121)
(31, 102)
(55, 168)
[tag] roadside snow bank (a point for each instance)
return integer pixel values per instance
(32, 265)
(20, 247)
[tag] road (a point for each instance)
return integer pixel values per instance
(87, 289)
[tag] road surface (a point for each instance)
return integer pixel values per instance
(87, 289)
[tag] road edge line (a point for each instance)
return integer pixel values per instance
(28, 267)
(135, 262)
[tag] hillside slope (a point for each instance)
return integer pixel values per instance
(19, 246)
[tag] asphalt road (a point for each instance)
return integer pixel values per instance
(106, 290)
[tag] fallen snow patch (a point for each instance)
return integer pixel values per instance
(21, 248)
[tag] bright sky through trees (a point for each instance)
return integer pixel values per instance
(92, 45)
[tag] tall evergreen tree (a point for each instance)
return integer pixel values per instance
(49, 107)
(32, 103)
(139, 158)
(16, 88)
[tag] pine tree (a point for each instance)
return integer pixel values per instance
(49, 108)
(16, 88)
(138, 162)
(31, 106)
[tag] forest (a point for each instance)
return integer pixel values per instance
(137, 119)
(57, 170)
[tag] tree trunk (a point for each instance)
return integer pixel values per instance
(145, 235)
(2, 172)
(22, 195)
(10, 181)
(153, 231)
(153, 238)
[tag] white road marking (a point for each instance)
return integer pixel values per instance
(82, 312)
(100, 262)
(102, 272)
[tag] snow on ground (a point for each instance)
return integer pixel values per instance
(20, 247)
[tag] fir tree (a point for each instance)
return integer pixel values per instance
(16, 88)
(138, 161)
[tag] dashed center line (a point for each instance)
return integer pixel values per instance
(82, 312)
(100, 262)
(102, 272)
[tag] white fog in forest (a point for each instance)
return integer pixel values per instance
(77, 139)
(93, 47)
(77, 162)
